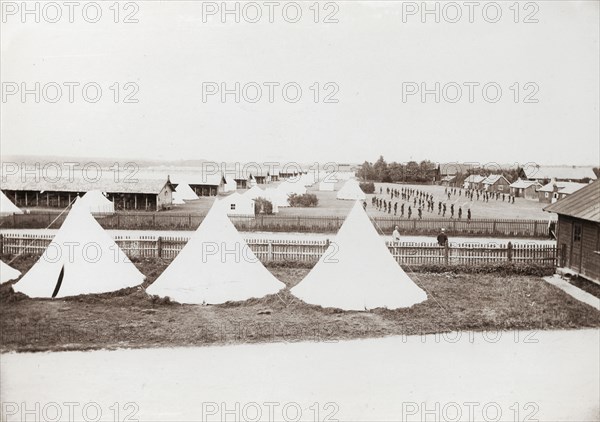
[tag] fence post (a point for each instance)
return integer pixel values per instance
(159, 247)
(535, 225)
(509, 251)
(270, 252)
(446, 253)
(494, 228)
(118, 221)
(1, 244)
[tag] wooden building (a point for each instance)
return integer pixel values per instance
(142, 195)
(578, 233)
(449, 180)
(474, 182)
(206, 184)
(525, 189)
(555, 191)
(496, 183)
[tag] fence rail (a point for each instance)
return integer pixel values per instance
(288, 223)
(406, 253)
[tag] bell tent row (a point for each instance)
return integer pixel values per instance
(207, 272)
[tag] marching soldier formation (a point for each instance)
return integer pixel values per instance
(394, 200)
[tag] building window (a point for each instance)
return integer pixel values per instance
(546, 195)
(576, 232)
(232, 206)
(500, 187)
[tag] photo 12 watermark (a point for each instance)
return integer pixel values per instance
(456, 12)
(269, 412)
(70, 411)
(270, 92)
(253, 12)
(56, 12)
(71, 92)
(470, 92)
(469, 411)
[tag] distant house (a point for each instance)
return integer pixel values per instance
(496, 183)
(473, 182)
(525, 189)
(559, 173)
(205, 184)
(274, 174)
(141, 194)
(246, 178)
(449, 180)
(578, 233)
(453, 169)
(554, 191)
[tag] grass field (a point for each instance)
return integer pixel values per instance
(130, 318)
(330, 206)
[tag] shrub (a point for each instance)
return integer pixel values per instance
(502, 269)
(305, 200)
(368, 187)
(263, 206)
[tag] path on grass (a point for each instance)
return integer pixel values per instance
(302, 236)
(546, 375)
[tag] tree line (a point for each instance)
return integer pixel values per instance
(425, 171)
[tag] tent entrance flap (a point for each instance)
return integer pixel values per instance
(59, 281)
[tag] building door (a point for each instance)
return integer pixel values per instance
(576, 246)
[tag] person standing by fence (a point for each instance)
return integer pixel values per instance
(442, 238)
(396, 234)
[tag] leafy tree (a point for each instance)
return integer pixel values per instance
(263, 206)
(368, 187)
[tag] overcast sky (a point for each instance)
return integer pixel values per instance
(368, 54)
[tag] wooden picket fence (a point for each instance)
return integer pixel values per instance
(290, 223)
(267, 250)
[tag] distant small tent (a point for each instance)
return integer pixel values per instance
(308, 179)
(291, 187)
(325, 186)
(215, 266)
(238, 204)
(7, 207)
(255, 192)
(8, 273)
(96, 203)
(351, 191)
(277, 197)
(357, 272)
(81, 259)
(183, 193)
(230, 184)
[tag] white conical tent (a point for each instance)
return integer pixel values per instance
(291, 187)
(230, 184)
(237, 204)
(326, 186)
(278, 198)
(357, 272)
(81, 259)
(215, 266)
(351, 191)
(183, 193)
(8, 273)
(308, 179)
(254, 192)
(7, 207)
(95, 202)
